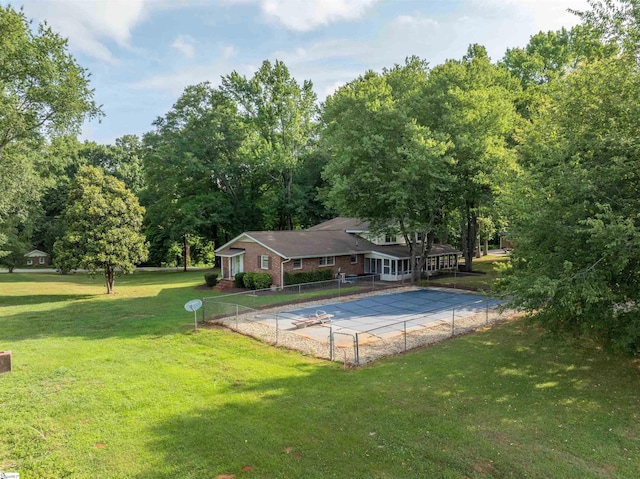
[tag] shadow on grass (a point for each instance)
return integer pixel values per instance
(103, 317)
(495, 404)
(40, 299)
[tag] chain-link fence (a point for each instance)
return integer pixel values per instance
(263, 298)
(332, 342)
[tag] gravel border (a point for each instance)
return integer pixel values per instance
(370, 348)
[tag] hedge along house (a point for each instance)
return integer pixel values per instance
(343, 245)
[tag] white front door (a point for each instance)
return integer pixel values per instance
(237, 265)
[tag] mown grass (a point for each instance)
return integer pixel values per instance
(120, 386)
(486, 270)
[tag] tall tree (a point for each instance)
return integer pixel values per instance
(201, 178)
(383, 166)
(281, 113)
(577, 261)
(43, 93)
(103, 227)
(122, 160)
(471, 101)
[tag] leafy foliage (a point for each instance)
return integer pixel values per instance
(576, 266)
(103, 222)
(384, 166)
(211, 279)
(279, 113)
(308, 276)
(200, 181)
(256, 280)
(238, 280)
(43, 93)
(472, 102)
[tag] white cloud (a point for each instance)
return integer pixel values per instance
(305, 15)
(185, 44)
(88, 24)
(228, 51)
(543, 15)
(416, 21)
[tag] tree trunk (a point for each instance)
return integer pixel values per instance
(478, 249)
(486, 247)
(469, 232)
(286, 208)
(185, 251)
(425, 248)
(109, 278)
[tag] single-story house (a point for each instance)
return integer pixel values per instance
(342, 244)
(37, 257)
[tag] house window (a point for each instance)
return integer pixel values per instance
(297, 263)
(29, 262)
(264, 261)
(326, 260)
(354, 259)
(41, 260)
(388, 239)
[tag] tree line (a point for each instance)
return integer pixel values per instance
(541, 145)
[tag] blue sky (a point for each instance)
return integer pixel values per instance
(143, 53)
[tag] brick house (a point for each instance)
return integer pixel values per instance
(37, 258)
(343, 245)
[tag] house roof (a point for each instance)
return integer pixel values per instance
(313, 243)
(36, 253)
(301, 243)
(352, 225)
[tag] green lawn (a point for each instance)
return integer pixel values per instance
(487, 270)
(119, 386)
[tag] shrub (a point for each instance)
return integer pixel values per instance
(308, 276)
(248, 280)
(239, 280)
(262, 280)
(211, 279)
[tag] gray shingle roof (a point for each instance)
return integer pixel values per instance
(342, 224)
(307, 243)
(326, 239)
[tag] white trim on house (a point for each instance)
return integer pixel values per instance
(237, 238)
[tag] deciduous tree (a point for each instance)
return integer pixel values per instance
(471, 101)
(576, 266)
(103, 227)
(280, 112)
(383, 166)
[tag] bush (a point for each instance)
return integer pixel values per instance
(262, 280)
(211, 279)
(248, 281)
(308, 276)
(239, 280)
(256, 280)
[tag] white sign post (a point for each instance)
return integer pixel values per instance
(193, 306)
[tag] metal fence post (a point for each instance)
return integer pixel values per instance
(339, 287)
(453, 321)
(487, 314)
(237, 317)
(277, 327)
(331, 343)
(405, 336)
